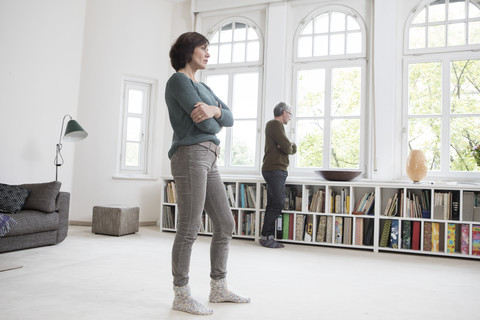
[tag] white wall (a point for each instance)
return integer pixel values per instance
(182, 22)
(122, 37)
(40, 63)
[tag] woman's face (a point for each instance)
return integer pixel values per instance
(200, 57)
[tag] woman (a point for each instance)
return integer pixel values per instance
(197, 115)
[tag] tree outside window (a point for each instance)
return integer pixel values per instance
(443, 86)
(329, 91)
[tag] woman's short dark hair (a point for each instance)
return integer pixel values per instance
(182, 50)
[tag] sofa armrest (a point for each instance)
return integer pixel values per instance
(62, 206)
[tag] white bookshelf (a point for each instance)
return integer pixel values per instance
(248, 215)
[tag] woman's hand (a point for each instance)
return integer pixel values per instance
(204, 111)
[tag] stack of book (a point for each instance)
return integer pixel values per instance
(171, 192)
(317, 201)
(366, 204)
(247, 196)
(168, 217)
(394, 205)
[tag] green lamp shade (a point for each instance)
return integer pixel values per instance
(74, 132)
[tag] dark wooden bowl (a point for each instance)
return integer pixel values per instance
(338, 175)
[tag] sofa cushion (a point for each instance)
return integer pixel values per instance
(42, 196)
(31, 221)
(12, 198)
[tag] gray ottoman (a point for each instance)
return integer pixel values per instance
(115, 220)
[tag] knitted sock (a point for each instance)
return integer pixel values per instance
(220, 293)
(183, 301)
(270, 242)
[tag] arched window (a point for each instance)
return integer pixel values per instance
(330, 90)
(442, 85)
(234, 42)
(444, 24)
(234, 74)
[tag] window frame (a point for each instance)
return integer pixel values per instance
(427, 50)
(446, 55)
(145, 168)
(445, 58)
(232, 69)
(332, 62)
(329, 66)
(327, 9)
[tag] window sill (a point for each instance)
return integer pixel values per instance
(126, 176)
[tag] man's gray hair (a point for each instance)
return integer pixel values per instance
(279, 108)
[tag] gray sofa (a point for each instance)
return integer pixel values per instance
(42, 219)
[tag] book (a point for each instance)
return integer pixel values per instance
(455, 215)
(476, 214)
(468, 204)
(251, 203)
(299, 227)
(286, 224)
(416, 235)
(359, 231)
(438, 212)
(347, 230)
(231, 195)
(394, 234)
(458, 238)
(279, 229)
(476, 240)
(465, 242)
(338, 229)
(406, 234)
(243, 203)
(365, 204)
(368, 227)
(298, 202)
(322, 229)
(291, 231)
(329, 232)
(451, 237)
(385, 236)
(427, 236)
(308, 236)
(436, 237)
(235, 218)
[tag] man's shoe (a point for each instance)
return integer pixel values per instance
(269, 242)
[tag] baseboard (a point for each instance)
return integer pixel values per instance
(89, 223)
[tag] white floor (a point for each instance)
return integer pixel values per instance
(92, 276)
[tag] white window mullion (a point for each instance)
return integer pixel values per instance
(446, 116)
(327, 118)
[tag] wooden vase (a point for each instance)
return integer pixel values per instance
(416, 165)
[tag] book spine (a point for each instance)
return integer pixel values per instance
(359, 231)
(406, 234)
(394, 235)
(427, 236)
(465, 235)
(385, 233)
(451, 238)
(416, 235)
(338, 229)
(476, 240)
(435, 237)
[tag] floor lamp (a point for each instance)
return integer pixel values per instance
(73, 132)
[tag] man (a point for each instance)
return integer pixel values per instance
(274, 170)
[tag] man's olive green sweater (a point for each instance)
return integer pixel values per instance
(277, 147)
